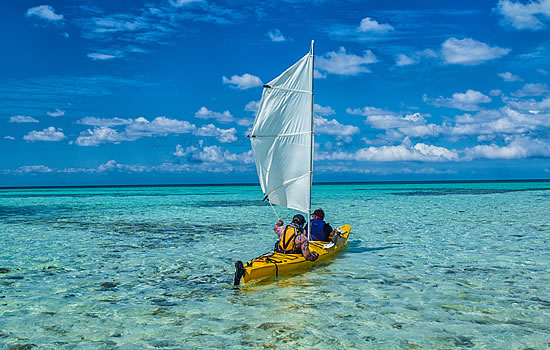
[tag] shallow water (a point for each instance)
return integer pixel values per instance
(428, 266)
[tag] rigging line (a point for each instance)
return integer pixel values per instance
(272, 207)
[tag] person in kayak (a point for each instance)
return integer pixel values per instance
(292, 239)
(320, 230)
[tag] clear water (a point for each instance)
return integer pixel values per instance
(429, 266)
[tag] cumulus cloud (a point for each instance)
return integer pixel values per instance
(404, 152)
(22, 119)
(9, 137)
(529, 15)
(413, 125)
(404, 60)
(205, 113)
(45, 12)
(159, 126)
(223, 135)
(321, 110)
(276, 36)
(532, 90)
(104, 121)
(99, 136)
(339, 168)
(334, 128)
(48, 134)
(469, 52)
(507, 76)
(56, 113)
(213, 154)
(467, 101)
(243, 82)
(342, 63)
(370, 25)
(252, 106)
(517, 148)
(367, 111)
(134, 129)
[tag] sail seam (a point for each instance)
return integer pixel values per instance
(275, 136)
(293, 90)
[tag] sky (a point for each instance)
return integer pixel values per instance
(165, 91)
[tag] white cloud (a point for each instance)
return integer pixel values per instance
(342, 63)
(98, 56)
(205, 113)
(99, 136)
(243, 82)
(9, 137)
(22, 119)
(180, 3)
(524, 15)
(467, 101)
(213, 154)
(370, 25)
(331, 168)
(45, 12)
(420, 152)
(495, 92)
(276, 36)
(333, 127)
(48, 134)
(367, 111)
(252, 106)
(34, 169)
(507, 76)
(135, 129)
(104, 121)
(223, 135)
(469, 52)
(320, 110)
(532, 90)
(159, 126)
(56, 113)
(413, 125)
(319, 75)
(517, 148)
(403, 60)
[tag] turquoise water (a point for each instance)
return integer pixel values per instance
(428, 266)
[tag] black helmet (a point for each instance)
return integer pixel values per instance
(299, 220)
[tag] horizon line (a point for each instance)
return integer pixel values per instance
(382, 182)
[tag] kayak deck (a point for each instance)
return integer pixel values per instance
(275, 264)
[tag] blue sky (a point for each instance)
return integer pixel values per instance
(164, 91)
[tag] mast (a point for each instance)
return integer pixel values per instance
(312, 142)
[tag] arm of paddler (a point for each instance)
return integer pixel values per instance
(303, 243)
(279, 228)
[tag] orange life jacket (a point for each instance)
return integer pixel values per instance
(287, 243)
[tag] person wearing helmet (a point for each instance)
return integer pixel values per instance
(292, 239)
(320, 230)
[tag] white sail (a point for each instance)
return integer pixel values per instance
(282, 137)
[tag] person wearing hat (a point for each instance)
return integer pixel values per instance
(320, 230)
(292, 239)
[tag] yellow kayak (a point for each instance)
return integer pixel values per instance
(275, 264)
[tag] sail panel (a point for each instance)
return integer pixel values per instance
(281, 137)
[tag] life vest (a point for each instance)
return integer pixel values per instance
(317, 230)
(287, 242)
